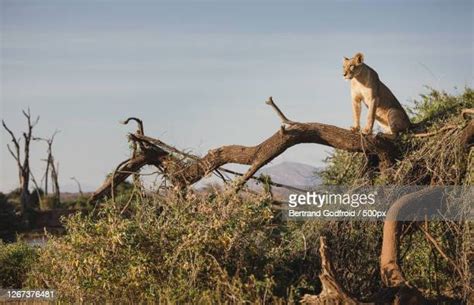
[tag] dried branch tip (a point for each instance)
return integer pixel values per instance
(282, 116)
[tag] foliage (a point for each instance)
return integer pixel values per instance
(437, 106)
(196, 249)
(35, 198)
(48, 203)
(9, 221)
(16, 260)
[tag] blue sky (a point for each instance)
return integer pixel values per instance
(198, 72)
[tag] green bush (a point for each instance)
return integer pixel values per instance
(188, 250)
(48, 203)
(16, 260)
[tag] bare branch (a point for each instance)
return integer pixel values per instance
(283, 118)
(14, 155)
(78, 185)
(332, 292)
(17, 154)
(428, 134)
(138, 121)
(120, 175)
(435, 244)
(184, 172)
(263, 181)
(28, 117)
(14, 140)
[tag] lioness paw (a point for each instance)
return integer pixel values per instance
(367, 130)
(355, 128)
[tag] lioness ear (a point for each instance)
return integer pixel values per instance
(359, 58)
(345, 59)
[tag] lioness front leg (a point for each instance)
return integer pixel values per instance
(372, 103)
(356, 114)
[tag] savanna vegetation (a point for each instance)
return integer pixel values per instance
(222, 246)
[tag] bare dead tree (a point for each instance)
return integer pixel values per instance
(78, 185)
(55, 179)
(51, 170)
(23, 165)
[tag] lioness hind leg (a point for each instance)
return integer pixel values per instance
(385, 128)
(386, 131)
(397, 121)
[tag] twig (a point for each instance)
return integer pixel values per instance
(264, 181)
(139, 122)
(37, 188)
(428, 134)
(283, 118)
(78, 185)
(112, 190)
(433, 241)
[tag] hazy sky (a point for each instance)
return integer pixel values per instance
(198, 73)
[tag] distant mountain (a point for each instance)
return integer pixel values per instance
(299, 175)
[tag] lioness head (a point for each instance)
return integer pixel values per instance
(352, 66)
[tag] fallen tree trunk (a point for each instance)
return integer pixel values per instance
(186, 171)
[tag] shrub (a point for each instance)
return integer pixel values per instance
(48, 203)
(16, 260)
(9, 221)
(196, 249)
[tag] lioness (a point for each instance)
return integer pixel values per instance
(383, 105)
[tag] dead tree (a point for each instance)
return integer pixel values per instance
(78, 185)
(51, 168)
(55, 179)
(182, 170)
(24, 172)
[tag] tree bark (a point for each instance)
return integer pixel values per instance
(51, 166)
(332, 292)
